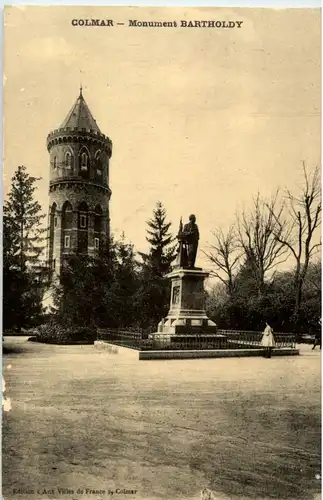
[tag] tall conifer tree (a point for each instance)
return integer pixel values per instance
(22, 213)
(162, 249)
(23, 243)
(154, 291)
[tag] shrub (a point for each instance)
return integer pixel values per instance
(55, 333)
(82, 333)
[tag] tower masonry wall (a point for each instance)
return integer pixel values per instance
(78, 192)
(59, 169)
(75, 195)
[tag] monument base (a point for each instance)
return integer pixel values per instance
(186, 320)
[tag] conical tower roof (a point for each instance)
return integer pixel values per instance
(80, 116)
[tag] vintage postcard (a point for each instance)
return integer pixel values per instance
(161, 253)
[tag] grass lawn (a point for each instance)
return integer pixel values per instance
(82, 418)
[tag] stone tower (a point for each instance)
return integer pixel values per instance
(79, 190)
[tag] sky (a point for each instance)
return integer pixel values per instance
(200, 118)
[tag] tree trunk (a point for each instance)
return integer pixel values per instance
(298, 300)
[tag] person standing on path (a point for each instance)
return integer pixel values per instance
(318, 336)
(268, 341)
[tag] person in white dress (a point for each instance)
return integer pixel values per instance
(268, 341)
(318, 336)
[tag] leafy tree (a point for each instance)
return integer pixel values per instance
(152, 299)
(23, 243)
(249, 311)
(121, 296)
(99, 291)
(76, 293)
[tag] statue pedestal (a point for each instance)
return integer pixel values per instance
(187, 316)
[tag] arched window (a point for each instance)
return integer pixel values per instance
(55, 162)
(83, 227)
(67, 225)
(98, 227)
(98, 163)
(98, 219)
(53, 208)
(53, 216)
(67, 216)
(84, 161)
(83, 215)
(52, 227)
(68, 160)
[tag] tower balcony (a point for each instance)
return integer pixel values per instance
(70, 135)
(70, 180)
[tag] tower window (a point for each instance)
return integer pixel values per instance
(55, 163)
(84, 161)
(53, 264)
(97, 243)
(68, 160)
(82, 234)
(98, 219)
(98, 163)
(83, 221)
(55, 221)
(67, 242)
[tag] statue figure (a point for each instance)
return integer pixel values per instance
(188, 242)
(181, 259)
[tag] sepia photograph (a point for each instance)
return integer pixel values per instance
(161, 250)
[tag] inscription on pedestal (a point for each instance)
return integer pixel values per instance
(192, 293)
(176, 295)
(187, 315)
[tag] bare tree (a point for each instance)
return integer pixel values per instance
(296, 230)
(225, 255)
(259, 232)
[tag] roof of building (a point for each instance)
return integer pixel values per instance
(80, 116)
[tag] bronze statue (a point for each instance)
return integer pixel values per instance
(188, 238)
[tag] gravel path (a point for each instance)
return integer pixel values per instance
(85, 419)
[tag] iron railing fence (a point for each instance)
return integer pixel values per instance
(225, 339)
(253, 338)
(185, 342)
(127, 338)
